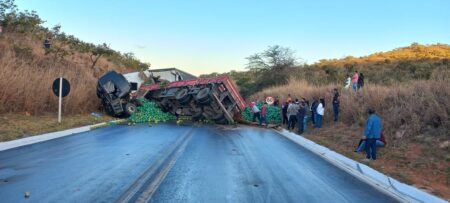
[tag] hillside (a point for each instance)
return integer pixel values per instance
(28, 68)
(401, 65)
(413, 52)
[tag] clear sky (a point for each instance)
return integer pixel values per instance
(203, 36)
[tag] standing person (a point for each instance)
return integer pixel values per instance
(256, 112)
(301, 117)
(348, 82)
(314, 105)
(355, 80)
(307, 109)
(263, 114)
(284, 112)
(292, 114)
(360, 80)
(289, 98)
(277, 101)
(336, 104)
(320, 113)
(47, 43)
(371, 134)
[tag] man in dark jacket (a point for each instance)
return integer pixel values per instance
(284, 112)
(314, 106)
(360, 81)
(372, 132)
(300, 117)
(336, 103)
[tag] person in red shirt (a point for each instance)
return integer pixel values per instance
(263, 114)
(289, 98)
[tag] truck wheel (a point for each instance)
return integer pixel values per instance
(182, 96)
(129, 108)
(222, 121)
(203, 96)
(218, 117)
(197, 116)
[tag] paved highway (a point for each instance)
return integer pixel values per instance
(169, 163)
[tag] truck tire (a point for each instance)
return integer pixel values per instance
(129, 108)
(203, 96)
(222, 121)
(182, 96)
(197, 116)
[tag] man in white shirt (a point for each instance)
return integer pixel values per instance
(320, 113)
(256, 112)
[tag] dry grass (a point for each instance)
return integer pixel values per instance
(415, 119)
(27, 75)
(19, 125)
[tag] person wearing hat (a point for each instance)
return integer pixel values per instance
(372, 133)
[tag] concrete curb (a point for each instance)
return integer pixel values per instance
(386, 184)
(53, 135)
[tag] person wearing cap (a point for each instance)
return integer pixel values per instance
(372, 133)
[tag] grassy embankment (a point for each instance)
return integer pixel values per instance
(15, 125)
(416, 121)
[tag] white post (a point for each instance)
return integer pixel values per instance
(60, 99)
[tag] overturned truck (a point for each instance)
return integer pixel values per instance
(215, 99)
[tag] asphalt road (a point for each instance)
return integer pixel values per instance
(170, 163)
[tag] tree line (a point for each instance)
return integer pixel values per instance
(13, 20)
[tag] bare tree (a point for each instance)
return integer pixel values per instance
(99, 51)
(273, 58)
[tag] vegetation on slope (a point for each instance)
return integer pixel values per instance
(28, 69)
(415, 62)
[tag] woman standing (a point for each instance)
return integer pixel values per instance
(320, 113)
(355, 80)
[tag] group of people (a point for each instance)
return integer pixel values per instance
(296, 114)
(295, 111)
(356, 81)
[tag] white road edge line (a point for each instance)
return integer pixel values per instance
(50, 136)
(385, 184)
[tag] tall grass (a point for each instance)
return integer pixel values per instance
(415, 109)
(27, 74)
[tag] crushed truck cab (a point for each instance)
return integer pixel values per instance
(114, 91)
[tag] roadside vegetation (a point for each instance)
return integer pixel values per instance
(19, 125)
(28, 68)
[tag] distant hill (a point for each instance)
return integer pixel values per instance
(413, 52)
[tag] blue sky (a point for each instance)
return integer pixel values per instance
(216, 36)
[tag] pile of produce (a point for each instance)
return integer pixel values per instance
(273, 113)
(150, 112)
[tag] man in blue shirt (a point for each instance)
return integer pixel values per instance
(372, 133)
